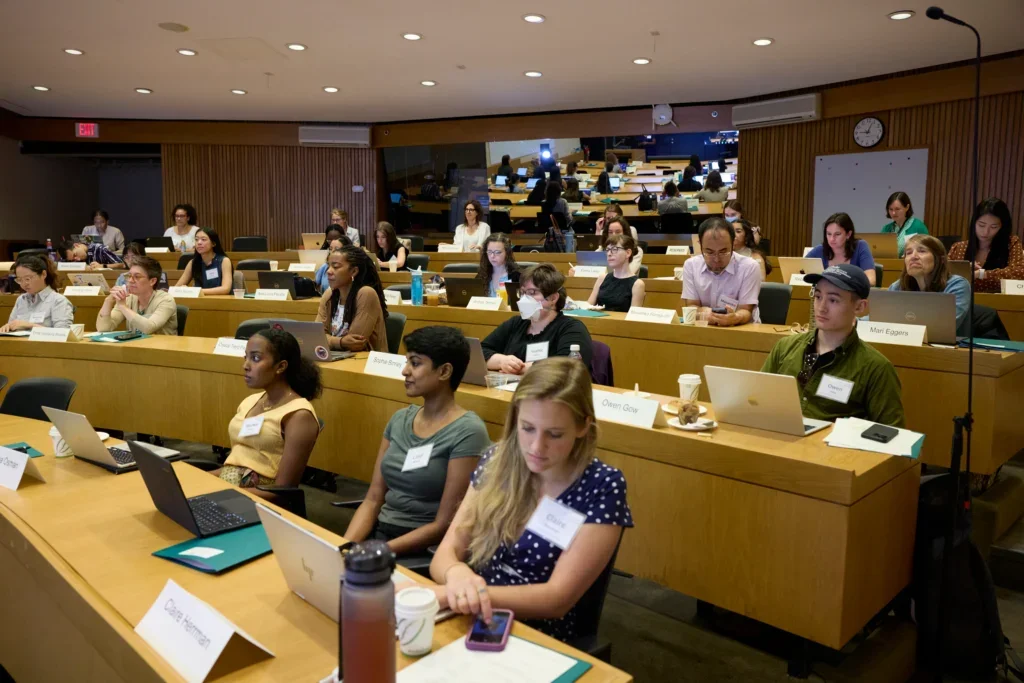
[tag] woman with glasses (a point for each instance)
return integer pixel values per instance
(132, 252)
(620, 289)
(183, 232)
(497, 263)
(617, 225)
(40, 305)
(470, 236)
(141, 305)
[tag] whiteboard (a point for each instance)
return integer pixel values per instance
(859, 184)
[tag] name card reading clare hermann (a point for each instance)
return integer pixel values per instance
(1015, 287)
(385, 365)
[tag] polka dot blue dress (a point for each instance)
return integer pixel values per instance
(600, 494)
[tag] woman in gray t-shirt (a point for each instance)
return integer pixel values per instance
(428, 453)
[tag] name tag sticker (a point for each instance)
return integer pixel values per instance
(37, 318)
(536, 352)
(192, 636)
(555, 523)
(892, 333)
(228, 346)
(727, 302)
(385, 365)
(13, 466)
(417, 458)
(835, 389)
(251, 426)
(212, 273)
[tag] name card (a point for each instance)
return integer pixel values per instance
(628, 409)
(392, 297)
(385, 365)
(677, 250)
(81, 291)
(185, 292)
(229, 346)
(273, 294)
(13, 466)
(302, 267)
(485, 303)
(892, 333)
(157, 250)
(50, 334)
(1012, 287)
(192, 636)
(448, 249)
(797, 280)
(663, 316)
(6, 265)
(589, 271)
(65, 266)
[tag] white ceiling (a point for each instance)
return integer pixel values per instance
(584, 49)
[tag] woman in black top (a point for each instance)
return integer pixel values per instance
(688, 183)
(553, 202)
(210, 268)
(541, 330)
(572, 194)
(536, 196)
(619, 289)
(388, 246)
(603, 186)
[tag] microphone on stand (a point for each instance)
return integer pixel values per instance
(937, 13)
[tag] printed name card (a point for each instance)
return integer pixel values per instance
(273, 295)
(485, 303)
(797, 279)
(193, 636)
(385, 365)
(448, 249)
(6, 265)
(892, 333)
(185, 292)
(229, 346)
(1012, 287)
(79, 290)
(392, 297)
(589, 271)
(157, 250)
(628, 409)
(51, 334)
(663, 316)
(14, 465)
(677, 250)
(64, 266)
(302, 267)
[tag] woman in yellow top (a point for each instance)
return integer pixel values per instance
(352, 308)
(274, 431)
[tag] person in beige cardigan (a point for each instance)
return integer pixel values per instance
(352, 308)
(145, 308)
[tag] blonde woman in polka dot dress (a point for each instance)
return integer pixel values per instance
(494, 556)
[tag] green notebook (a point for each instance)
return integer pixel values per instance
(23, 447)
(220, 553)
(580, 313)
(108, 337)
(993, 344)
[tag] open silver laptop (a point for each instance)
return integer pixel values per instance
(86, 444)
(934, 310)
(760, 400)
(476, 371)
(317, 256)
(792, 265)
(312, 341)
(90, 280)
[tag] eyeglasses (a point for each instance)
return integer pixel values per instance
(530, 292)
(495, 253)
(470, 208)
(24, 280)
(614, 250)
(135, 277)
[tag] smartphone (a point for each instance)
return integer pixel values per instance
(127, 336)
(721, 311)
(491, 638)
(880, 433)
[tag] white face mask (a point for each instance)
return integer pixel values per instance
(529, 308)
(732, 219)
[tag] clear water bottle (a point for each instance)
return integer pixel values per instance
(574, 352)
(570, 240)
(49, 249)
(417, 287)
(366, 633)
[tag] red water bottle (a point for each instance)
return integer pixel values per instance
(367, 620)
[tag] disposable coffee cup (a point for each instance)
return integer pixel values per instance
(393, 265)
(239, 293)
(61, 449)
(415, 609)
(77, 330)
(690, 316)
(689, 387)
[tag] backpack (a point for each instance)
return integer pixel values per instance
(645, 201)
(553, 239)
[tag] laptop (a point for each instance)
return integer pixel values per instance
(963, 269)
(883, 245)
(792, 265)
(699, 179)
(591, 258)
(588, 243)
(462, 289)
(90, 280)
(934, 310)
(614, 183)
(476, 371)
(396, 197)
(727, 178)
(313, 341)
(317, 256)
(531, 183)
(512, 290)
(207, 515)
(521, 172)
(278, 279)
(501, 181)
(86, 443)
(313, 240)
(760, 400)
(160, 243)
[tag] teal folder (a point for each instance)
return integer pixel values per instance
(994, 345)
(109, 337)
(23, 447)
(220, 553)
(574, 673)
(580, 313)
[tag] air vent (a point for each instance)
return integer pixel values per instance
(777, 112)
(335, 136)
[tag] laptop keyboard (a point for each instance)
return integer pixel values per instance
(211, 517)
(121, 456)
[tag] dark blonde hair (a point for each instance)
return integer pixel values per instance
(548, 280)
(940, 274)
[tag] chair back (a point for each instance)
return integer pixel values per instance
(544, 220)
(531, 248)
(404, 290)
(184, 260)
(250, 327)
(677, 224)
(461, 268)
(253, 264)
(765, 245)
(590, 606)
(949, 240)
(601, 364)
(394, 325)
(643, 245)
(415, 241)
(182, 317)
(414, 261)
(987, 324)
(879, 272)
(773, 302)
(27, 397)
(500, 221)
(642, 273)
(249, 243)
(3, 382)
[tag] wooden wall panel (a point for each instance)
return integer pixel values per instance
(777, 164)
(275, 191)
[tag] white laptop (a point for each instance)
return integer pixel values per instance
(614, 183)
(476, 371)
(792, 265)
(317, 256)
(760, 400)
(85, 443)
(500, 181)
(89, 280)
(521, 172)
(312, 340)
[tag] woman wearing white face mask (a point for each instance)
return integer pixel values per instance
(541, 330)
(732, 211)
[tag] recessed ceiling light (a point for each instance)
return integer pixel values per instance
(186, 52)
(902, 14)
(238, 92)
(330, 88)
(412, 36)
(533, 74)
(763, 42)
(298, 47)
(72, 51)
(40, 88)
(144, 91)
(534, 18)
(173, 27)
(429, 84)
(641, 61)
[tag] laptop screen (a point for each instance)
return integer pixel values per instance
(396, 197)
(531, 183)
(521, 171)
(501, 181)
(727, 178)
(614, 182)
(699, 179)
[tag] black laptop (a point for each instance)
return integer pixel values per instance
(462, 289)
(276, 279)
(208, 515)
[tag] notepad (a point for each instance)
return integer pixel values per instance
(220, 553)
(520, 662)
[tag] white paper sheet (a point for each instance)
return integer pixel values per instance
(520, 662)
(847, 434)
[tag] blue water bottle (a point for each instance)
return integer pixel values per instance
(417, 287)
(570, 240)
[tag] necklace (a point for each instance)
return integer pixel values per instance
(267, 405)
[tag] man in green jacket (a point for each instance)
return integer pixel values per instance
(838, 375)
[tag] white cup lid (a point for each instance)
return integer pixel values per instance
(416, 601)
(689, 379)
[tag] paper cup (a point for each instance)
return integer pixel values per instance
(689, 387)
(239, 293)
(61, 449)
(393, 266)
(77, 330)
(415, 609)
(689, 315)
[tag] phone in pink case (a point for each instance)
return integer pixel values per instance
(494, 637)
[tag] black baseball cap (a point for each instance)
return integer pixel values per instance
(844, 276)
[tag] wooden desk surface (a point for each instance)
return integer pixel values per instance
(96, 533)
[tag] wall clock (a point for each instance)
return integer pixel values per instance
(868, 132)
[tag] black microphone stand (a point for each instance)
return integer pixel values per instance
(960, 494)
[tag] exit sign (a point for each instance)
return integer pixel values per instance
(87, 130)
